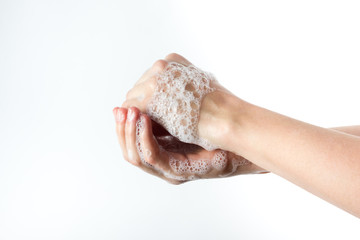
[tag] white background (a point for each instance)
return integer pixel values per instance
(64, 65)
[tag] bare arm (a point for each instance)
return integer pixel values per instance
(352, 130)
(325, 162)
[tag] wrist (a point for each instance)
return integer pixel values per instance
(221, 115)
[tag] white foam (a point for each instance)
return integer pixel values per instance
(219, 161)
(140, 149)
(191, 168)
(236, 162)
(185, 167)
(176, 101)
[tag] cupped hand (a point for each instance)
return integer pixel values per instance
(150, 147)
(203, 118)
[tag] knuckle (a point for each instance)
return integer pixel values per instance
(160, 64)
(172, 56)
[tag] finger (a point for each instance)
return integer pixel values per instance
(158, 159)
(174, 57)
(120, 117)
(149, 145)
(130, 136)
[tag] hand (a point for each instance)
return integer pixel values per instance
(150, 147)
(209, 119)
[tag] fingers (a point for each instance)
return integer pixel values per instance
(151, 153)
(126, 131)
(146, 85)
(149, 145)
(174, 57)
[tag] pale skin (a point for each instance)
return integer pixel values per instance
(325, 162)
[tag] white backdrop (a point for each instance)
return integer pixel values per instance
(64, 65)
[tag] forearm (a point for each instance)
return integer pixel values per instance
(323, 161)
(352, 130)
(249, 167)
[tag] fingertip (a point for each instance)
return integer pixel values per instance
(115, 109)
(119, 114)
(133, 114)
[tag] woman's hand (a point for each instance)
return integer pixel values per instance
(150, 147)
(210, 116)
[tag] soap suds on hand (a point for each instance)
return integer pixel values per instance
(177, 100)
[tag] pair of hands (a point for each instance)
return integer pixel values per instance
(155, 151)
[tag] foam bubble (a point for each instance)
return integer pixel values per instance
(140, 149)
(176, 101)
(185, 167)
(219, 161)
(236, 162)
